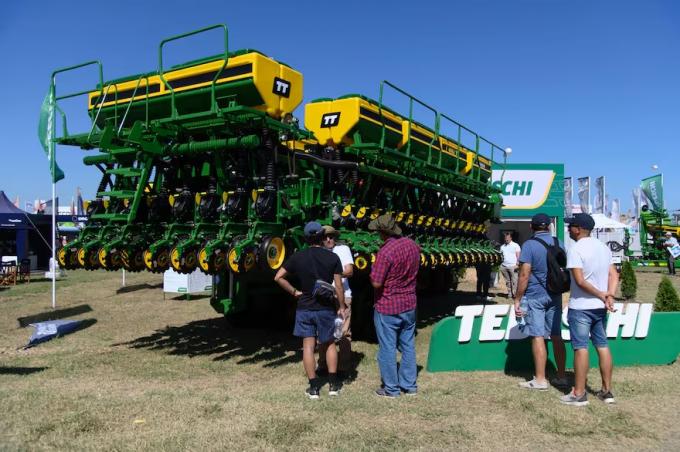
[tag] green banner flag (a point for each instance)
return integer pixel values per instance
(652, 188)
(45, 133)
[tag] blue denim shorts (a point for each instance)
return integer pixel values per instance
(543, 316)
(315, 324)
(587, 322)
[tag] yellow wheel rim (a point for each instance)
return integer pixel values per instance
(203, 260)
(61, 257)
(147, 260)
(423, 260)
(102, 257)
(174, 259)
(276, 253)
(81, 256)
(361, 263)
(232, 262)
(346, 211)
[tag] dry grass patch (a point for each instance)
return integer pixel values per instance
(173, 375)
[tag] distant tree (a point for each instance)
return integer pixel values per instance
(628, 281)
(666, 297)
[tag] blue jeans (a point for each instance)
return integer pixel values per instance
(587, 323)
(543, 315)
(397, 332)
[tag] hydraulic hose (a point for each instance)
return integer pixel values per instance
(333, 164)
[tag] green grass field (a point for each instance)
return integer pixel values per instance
(155, 374)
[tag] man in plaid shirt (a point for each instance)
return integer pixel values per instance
(393, 277)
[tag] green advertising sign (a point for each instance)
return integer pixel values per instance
(530, 188)
(486, 337)
(652, 187)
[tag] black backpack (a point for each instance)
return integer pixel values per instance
(557, 279)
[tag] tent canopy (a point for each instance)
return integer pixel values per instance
(12, 217)
(603, 222)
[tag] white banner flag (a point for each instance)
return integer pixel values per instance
(568, 195)
(584, 193)
(616, 210)
(599, 201)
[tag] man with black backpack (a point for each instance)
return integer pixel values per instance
(542, 280)
(315, 268)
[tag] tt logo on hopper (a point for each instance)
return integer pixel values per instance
(330, 119)
(281, 87)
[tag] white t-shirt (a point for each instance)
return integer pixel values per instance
(345, 255)
(510, 252)
(595, 258)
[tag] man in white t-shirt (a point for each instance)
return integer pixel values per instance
(668, 244)
(511, 252)
(593, 284)
(347, 260)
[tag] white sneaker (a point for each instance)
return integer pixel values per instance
(573, 400)
(533, 384)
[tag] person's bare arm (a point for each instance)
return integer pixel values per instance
(280, 279)
(522, 283)
(340, 293)
(348, 270)
(612, 284)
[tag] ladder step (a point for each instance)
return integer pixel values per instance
(109, 216)
(117, 194)
(127, 172)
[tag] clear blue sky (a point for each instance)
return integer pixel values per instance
(591, 84)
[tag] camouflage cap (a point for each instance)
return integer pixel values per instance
(385, 223)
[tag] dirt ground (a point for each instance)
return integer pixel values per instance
(149, 373)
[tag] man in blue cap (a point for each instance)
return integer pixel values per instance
(541, 309)
(316, 311)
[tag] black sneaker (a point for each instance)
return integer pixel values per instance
(606, 396)
(312, 392)
(334, 389)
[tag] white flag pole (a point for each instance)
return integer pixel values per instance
(53, 135)
(54, 240)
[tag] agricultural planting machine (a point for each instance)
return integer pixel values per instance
(654, 224)
(203, 166)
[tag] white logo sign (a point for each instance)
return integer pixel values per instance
(330, 119)
(281, 87)
(523, 189)
(631, 319)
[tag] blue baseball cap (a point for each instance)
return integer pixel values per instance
(313, 228)
(540, 219)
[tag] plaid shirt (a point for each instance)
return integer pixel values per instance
(396, 268)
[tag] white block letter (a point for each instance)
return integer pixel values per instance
(626, 319)
(468, 314)
(491, 320)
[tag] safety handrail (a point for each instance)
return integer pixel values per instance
(213, 104)
(146, 100)
(410, 117)
(101, 104)
(53, 86)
